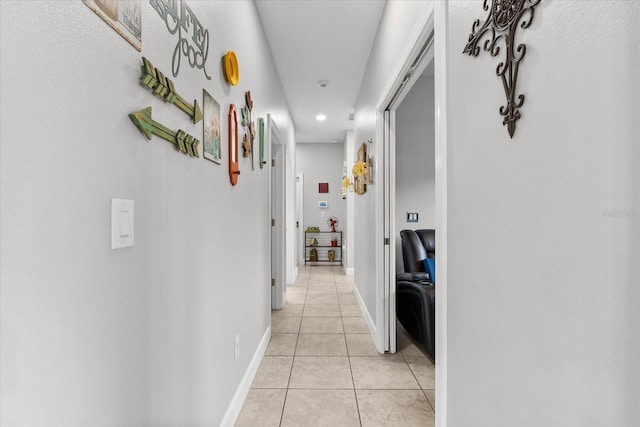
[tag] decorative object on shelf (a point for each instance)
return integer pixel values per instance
(505, 16)
(123, 16)
(361, 171)
(332, 222)
(323, 246)
(261, 159)
(211, 147)
(193, 38)
(230, 67)
(164, 88)
(323, 187)
(234, 170)
(313, 229)
(184, 142)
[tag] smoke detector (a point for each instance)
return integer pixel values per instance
(323, 83)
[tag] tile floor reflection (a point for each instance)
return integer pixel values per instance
(322, 369)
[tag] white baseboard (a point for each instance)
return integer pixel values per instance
(365, 313)
(233, 411)
(348, 271)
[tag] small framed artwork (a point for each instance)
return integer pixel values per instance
(323, 205)
(211, 132)
(124, 16)
(323, 187)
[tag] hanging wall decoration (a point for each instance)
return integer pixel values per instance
(193, 38)
(211, 142)
(505, 16)
(184, 142)
(261, 141)
(234, 170)
(361, 171)
(230, 68)
(123, 16)
(164, 88)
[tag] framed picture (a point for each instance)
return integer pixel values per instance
(211, 138)
(123, 16)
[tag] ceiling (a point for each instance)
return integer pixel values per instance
(315, 40)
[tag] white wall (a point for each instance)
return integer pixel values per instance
(321, 163)
(397, 25)
(144, 335)
(544, 228)
(415, 162)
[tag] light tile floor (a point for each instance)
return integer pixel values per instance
(322, 369)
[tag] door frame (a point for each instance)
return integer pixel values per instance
(300, 252)
(277, 213)
(432, 23)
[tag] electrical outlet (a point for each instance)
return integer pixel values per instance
(236, 347)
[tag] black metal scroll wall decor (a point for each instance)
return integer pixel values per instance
(180, 18)
(505, 16)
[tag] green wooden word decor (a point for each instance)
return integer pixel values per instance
(184, 142)
(164, 88)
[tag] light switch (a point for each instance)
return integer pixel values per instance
(121, 223)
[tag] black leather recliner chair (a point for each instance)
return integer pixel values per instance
(415, 294)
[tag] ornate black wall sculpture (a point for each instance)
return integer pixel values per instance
(504, 18)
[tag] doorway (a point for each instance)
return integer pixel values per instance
(277, 209)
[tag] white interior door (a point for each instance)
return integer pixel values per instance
(278, 200)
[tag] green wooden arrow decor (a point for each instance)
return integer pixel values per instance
(163, 87)
(184, 142)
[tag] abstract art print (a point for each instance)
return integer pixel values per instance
(212, 147)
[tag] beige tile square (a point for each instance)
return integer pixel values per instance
(263, 407)
(376, 372)
(321, 345)
(405, 345)
(273, 372)
(321, 325)
(289, 310)
(321, 372)
(389, 408)
(431, 397)
(361, 345)
(319, 283)
(355, 325)
(322, 299)
(351, 310)
(316, 290)
(424, 370)
(348, 299)
(282, 345)
(320, 408)
(342, 290)
(285, 325)
(332, 310)
(295, 298)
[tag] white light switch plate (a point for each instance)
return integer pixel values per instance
(121, 223)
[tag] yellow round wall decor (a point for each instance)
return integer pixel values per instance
(231, 71)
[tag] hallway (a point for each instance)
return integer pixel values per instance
(322, 369)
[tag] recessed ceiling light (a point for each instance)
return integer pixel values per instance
(321, 117)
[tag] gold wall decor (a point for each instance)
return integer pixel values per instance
(504, 18)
